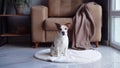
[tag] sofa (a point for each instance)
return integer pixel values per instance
(43, 19)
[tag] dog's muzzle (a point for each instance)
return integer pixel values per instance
(63, 33)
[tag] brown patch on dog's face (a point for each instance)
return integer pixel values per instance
(58, 26)
(68, 25)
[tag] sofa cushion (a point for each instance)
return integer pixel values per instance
(63, 7)
(49, 23)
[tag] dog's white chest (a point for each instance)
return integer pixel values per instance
(61, 41)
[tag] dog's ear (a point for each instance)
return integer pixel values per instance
(58, 26)
(68, 25)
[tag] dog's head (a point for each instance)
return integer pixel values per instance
(63, 28)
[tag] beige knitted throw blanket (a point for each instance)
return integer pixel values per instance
(83, 28)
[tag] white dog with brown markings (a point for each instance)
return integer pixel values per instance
(61, 42)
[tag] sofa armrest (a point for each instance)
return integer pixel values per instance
(96, 12)
(38, 16)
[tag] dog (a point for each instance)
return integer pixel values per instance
(61, 42)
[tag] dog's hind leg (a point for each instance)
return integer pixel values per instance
(52, 50)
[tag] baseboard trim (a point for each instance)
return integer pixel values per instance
(105, 42)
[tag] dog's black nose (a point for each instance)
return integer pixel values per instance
(63, 33)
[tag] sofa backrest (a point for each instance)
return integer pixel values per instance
(63, 8)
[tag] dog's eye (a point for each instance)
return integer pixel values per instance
(65, 28)
(60, 29)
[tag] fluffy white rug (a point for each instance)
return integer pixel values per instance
(84, 56)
